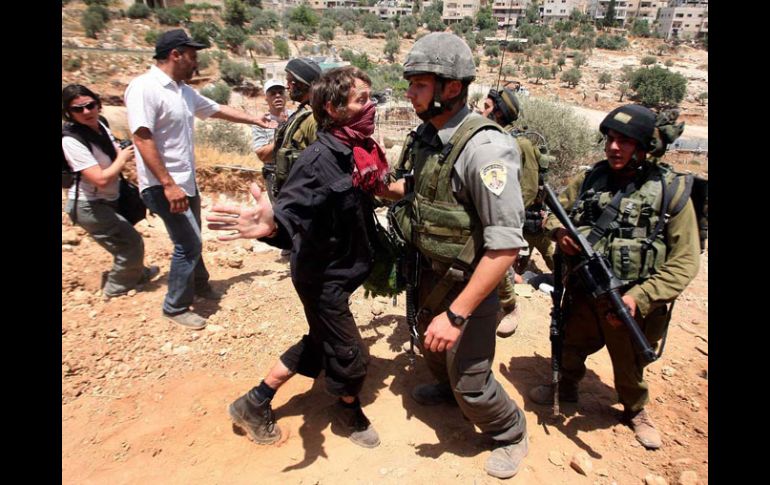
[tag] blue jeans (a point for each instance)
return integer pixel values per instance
(187, 273)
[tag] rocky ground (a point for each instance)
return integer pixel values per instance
(144, 400)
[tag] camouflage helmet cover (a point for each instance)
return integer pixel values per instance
(443, 54)
(506, 102)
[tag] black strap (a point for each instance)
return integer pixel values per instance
(609, 215)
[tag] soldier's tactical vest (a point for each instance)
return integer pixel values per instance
(286, 151)
(630, 233)
(432, 218)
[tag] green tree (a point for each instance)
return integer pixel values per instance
(571, 77)
(232, 72)
(203, 32)
(669, 63)
(254, 3)
(93, 22)
(622, 90)
(493, 62)
(477, 60)
(656, 86)
(609, 17)
(579, 59)
(235, 13)
(561, 61)
(605, 78)
(263, 20)
(233, 37)
(349, 27)
(640, 28)
(326, 34)
(492, 51)
(407, 27)
(392, 47)
(172, 16)
(648, 60)
(297, 30)
(138, 11)
(554, 70)
(219, 92)
(304, 15)
(281, 47)
(702, 97)
(484, 19)
(540, 72)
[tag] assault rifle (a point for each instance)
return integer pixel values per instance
(599, 280)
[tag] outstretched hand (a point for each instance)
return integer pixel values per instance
(243, 222)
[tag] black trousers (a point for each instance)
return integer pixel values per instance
(333, 343)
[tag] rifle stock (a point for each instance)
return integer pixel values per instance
(599, 280)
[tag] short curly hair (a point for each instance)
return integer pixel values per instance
(334, 86)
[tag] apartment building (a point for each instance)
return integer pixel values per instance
(597, 9)
(327, 4)
(506, 12)
(643, 10)
(684, 19)
(387, 9)
(554, 10)
(455, 10)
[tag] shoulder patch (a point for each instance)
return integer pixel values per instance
(494, 176)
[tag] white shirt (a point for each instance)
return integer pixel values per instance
(262, 136)
(80, 157)
(166, 108)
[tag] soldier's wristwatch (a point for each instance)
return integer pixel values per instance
(455, 319)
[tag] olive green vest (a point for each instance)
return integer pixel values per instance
(434, 220)
(634, 239)
(286, 153)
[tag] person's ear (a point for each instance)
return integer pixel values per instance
(452, 88)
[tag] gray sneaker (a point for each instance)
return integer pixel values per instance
(257, 419)
(188, 319)
(355, 425)
(434, 394)
(504, 461)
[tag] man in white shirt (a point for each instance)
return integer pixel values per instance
(263, 141)
(161, 107)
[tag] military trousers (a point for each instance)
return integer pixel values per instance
(543, 243)
(467, 367)
(587, 331)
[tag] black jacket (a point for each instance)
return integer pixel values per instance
(324, 220)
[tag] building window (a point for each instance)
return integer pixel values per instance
(679, 15)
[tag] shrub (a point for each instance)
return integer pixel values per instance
(92, 22)
(204, 59)
(219, 92)
(648, 60)
(612, 42)
(73, 64)
(172, 16)
(656, 86)
(233, 72)
(349, 27)
(151, 37)
(281, 47)
(233, 37)
(669, 63)
(138, 11)
(203, 32)
(572, 76)
(569, 137)
(605, 78)
(235, 13)
(224, 136)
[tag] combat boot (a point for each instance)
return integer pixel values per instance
(644, 429)
(544, 394)
(434, 394)
(504, 461)
(509, 323)
(355, 425)
(257, 419)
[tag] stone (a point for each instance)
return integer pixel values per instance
(556, 458)
(668, 371)
(70, 238)
(688, 477)
(182, 349)
(651, 479)
(581, 463)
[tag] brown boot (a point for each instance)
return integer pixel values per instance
(509, 323)
(645, 430)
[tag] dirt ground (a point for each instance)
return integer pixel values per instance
(144, 400)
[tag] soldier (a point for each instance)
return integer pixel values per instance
(299, 131)
(504, 108)
(464, 216)
(625, 202)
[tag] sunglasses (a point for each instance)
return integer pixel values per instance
(89, 106)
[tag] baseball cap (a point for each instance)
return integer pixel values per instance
(273, 83)
(171, 40)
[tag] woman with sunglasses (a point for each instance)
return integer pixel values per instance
(92, 201)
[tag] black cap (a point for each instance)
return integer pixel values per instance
(633, 120)
(173, 39)
(304, 69)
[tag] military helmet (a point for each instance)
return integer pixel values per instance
(443, 54)
(507, 103)
(632, 120)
